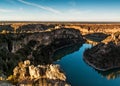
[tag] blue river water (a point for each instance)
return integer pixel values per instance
(79, 73)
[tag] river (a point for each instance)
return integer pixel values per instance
(79, 73)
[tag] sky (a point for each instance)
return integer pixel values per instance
(59, 10)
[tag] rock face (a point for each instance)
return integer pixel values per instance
(115, 37)
(18, 40)
(98, 28)
(103, 56)
(65, 35)
(111, 30)
(37, 47)
(40, 47)
(27, 74)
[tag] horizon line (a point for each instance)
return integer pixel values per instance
(87, 22)
(56, 21)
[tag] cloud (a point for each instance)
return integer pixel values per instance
(6, 10)
(40, 6)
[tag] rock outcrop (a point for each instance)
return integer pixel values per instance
(103, 56)
(41, 75)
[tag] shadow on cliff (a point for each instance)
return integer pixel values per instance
(53, 52)
(65, 51)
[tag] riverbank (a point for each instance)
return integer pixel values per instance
(100, 69)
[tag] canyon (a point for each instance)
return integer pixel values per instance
(39, 48)
(37, 43)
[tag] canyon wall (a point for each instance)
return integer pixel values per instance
(94, 28)
(63, 35)
(38, 48)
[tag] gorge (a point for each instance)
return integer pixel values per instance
(38, 48)
(45, 46)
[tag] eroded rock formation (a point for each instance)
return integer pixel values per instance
(40, 75)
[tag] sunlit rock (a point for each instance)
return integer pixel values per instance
(53, 72)
(26, 74)
(34, 72)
